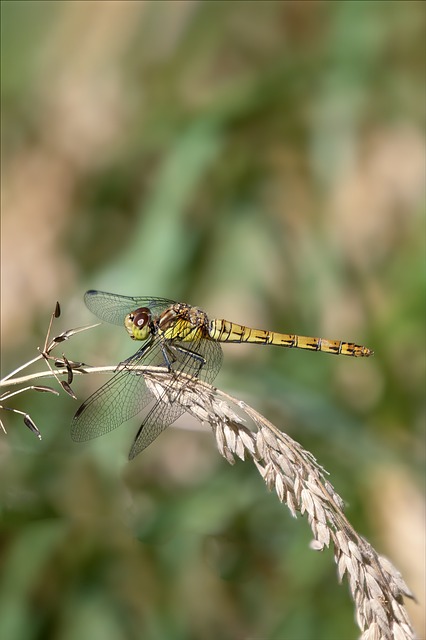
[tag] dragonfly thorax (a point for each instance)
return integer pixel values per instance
(183, 322)
(138, 323)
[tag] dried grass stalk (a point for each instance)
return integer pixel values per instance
(377, 588)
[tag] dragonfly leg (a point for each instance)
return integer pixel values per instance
(188, 352)
(168, 355)
(128, 363)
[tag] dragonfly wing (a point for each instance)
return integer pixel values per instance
(115, 402)
(113, 308)
(158, 419)
(126, 394)
(198, 358)
(119, 399)
(164, 413)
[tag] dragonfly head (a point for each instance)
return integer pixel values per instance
(138, 323)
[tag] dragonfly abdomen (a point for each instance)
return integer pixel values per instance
(225, 331)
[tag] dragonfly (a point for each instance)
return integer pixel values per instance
(183, 339)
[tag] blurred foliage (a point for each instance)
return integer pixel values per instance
(265, 161)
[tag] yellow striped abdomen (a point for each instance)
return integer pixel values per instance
(225, 331)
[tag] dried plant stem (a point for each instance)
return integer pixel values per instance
(82, 370)
(377, 588)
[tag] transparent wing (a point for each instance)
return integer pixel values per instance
(126, 393)
(119, 399)
(158, 419)
(113, 308)
(198, 358)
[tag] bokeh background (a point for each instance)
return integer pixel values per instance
(262, 160)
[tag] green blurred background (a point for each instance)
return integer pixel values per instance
(262, 160)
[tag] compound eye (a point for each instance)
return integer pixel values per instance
(141, 317)
(137, 323)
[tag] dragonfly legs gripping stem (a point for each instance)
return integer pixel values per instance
(170, 358)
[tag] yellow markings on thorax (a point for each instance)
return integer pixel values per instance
(182, 322)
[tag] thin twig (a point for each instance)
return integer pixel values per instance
(11, 380)
(81, 370)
